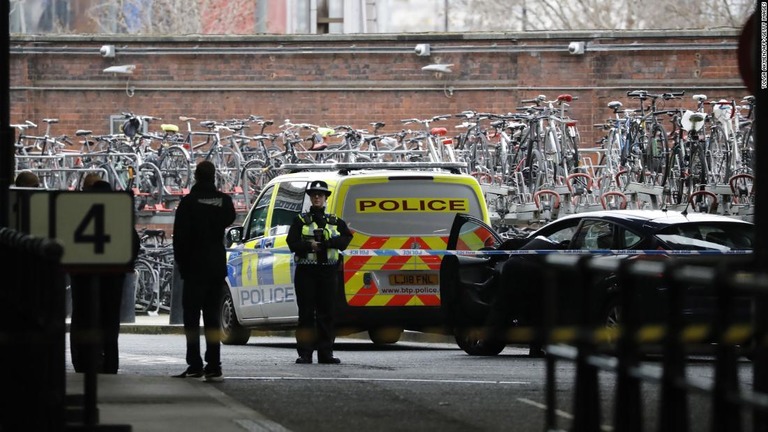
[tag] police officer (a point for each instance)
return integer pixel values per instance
(316, 238)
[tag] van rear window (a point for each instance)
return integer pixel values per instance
(413, 207)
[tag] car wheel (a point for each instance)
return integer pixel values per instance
(612, 319)
(385, 335)
(232, 333)
(472, 342)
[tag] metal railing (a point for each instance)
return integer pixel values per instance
(32, 332)
(674, 337)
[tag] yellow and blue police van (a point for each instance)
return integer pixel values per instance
(389, 278)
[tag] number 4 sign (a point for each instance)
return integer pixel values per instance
(95, 228)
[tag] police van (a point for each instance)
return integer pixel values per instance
(389, 281)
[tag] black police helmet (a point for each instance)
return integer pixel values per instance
(319, 186)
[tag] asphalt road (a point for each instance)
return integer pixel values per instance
(408, 386)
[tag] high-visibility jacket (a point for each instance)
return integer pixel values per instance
(330, 230)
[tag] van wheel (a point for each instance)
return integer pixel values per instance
(472, 343)
(385, 335)
(232, 333)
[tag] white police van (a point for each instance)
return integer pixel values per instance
(389, 281)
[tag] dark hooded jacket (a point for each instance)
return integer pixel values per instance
(198, 232)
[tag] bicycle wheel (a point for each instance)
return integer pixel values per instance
(570, 154)
(698, 174)
(227, 164)
(672, 181)
(146, 283)
(655, 150)
(148, 181)
(255, 175)
(717, 157)
(611, 159)
(747, 145)
(534, 174)
(175, 169)
(165, 287)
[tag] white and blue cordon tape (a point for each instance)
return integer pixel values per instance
(442, 252)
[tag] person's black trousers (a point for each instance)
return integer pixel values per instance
(96, 326)
(202, 295)
(315, 286)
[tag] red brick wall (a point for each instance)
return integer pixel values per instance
(359, 79)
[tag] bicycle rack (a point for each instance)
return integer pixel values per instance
(581, 194)
(701, 206)
(608, 200)
(550, 208)
(743, 190)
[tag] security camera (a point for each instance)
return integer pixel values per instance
(576, 48)
(107, 51)
(422, 50)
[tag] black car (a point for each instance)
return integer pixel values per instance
(484, 296)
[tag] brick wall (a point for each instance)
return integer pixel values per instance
(358, 79)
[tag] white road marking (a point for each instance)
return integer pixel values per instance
(560, 413)
(149, 359)
(297, 378)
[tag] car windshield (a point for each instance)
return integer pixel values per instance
(413, 207)
(716, 236)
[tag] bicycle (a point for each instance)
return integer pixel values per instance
(154, 273)
(226, 160)
(649, 135)
(44, 156)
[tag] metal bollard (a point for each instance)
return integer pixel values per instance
(128, 303)
(586, 406)
(628, 411)
(177, 311)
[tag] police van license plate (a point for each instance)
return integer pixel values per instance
(414, 279)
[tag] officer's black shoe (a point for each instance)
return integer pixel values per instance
(304, 360)
(328, 360)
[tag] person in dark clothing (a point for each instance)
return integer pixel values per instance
(103, 337)
(198, 249)
(316, 238)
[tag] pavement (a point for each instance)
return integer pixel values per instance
(135, 403)
(157, 404)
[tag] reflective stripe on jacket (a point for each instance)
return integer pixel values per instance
(308, 234)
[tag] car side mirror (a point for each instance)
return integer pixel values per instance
(234, 235)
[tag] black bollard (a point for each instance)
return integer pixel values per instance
(177, 311)
(128, 303)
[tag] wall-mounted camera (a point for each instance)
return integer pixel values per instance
(576, 48)
(107, 51)
(422, 50)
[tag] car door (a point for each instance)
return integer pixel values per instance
(468, 283)
(276, 264)
(246, 295)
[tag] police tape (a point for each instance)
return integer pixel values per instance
(424, 252)
(482, 253)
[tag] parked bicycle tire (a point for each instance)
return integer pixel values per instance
(148, 181)
(174, 164)
(146, 286)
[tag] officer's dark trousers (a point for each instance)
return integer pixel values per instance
(202, 295)
(315, 286)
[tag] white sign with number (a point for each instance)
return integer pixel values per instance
(96, 228)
